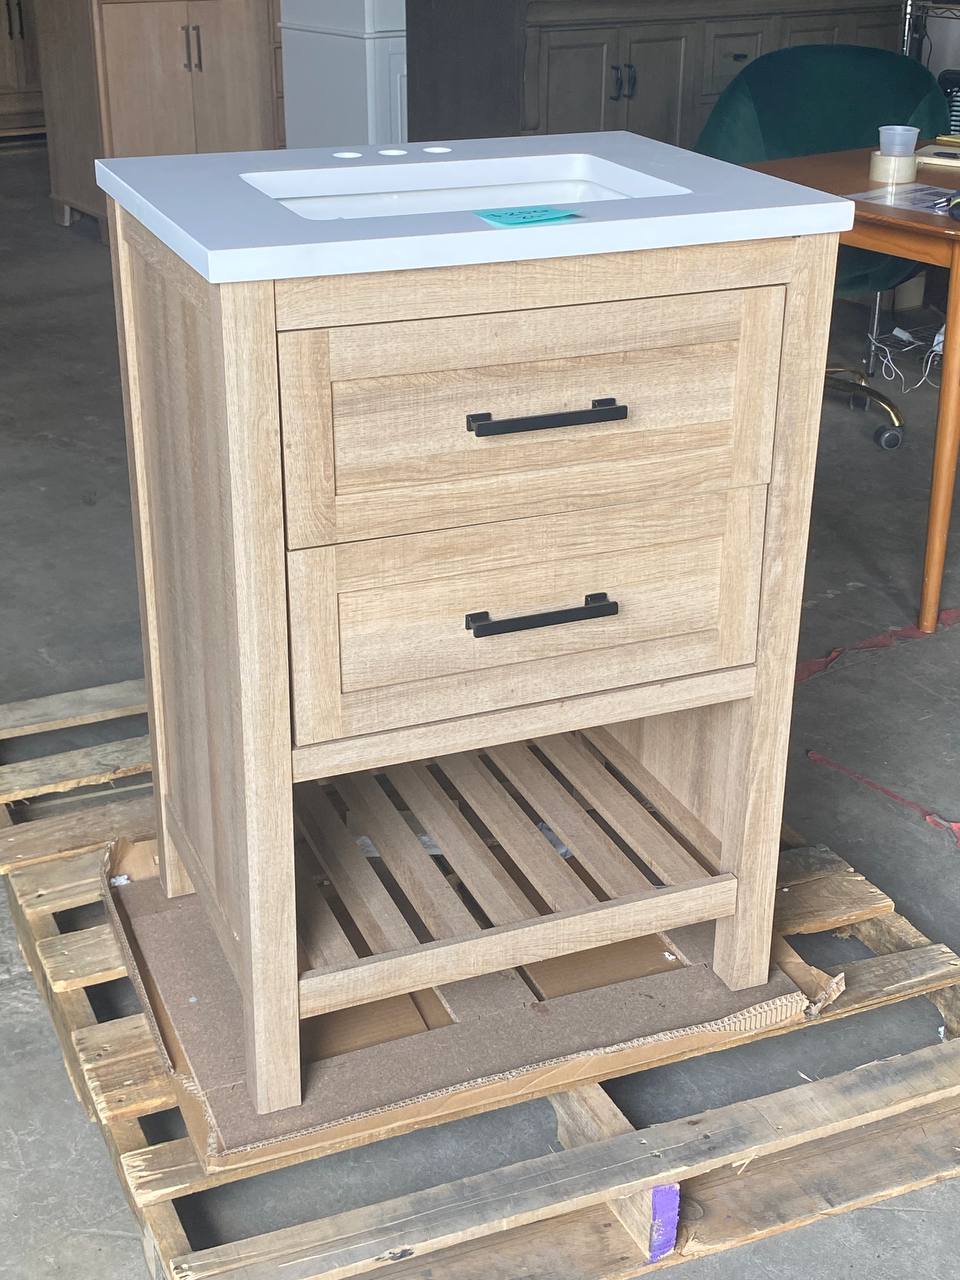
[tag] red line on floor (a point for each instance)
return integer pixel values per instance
(932, 819)
(885, 640)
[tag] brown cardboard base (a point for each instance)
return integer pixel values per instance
(507, 1045)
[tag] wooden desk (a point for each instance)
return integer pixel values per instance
(924, 237)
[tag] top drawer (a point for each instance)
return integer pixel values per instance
(375, 417)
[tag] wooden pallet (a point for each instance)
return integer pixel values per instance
(602, 1206)
(24, 782)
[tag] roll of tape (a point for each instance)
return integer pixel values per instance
(893, 168)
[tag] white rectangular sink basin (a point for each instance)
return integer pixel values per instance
(381, 190)
(324, 211)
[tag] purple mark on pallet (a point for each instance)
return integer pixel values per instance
(664, 1220)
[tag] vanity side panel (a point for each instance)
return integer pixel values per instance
(203, 434)
(726, 764)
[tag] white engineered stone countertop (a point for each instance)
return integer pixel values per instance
(278, 215)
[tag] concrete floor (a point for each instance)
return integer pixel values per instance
(68, 618)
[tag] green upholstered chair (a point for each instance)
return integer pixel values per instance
(822, 97)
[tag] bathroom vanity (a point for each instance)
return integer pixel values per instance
(471, 552)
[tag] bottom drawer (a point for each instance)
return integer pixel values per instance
(431, 626)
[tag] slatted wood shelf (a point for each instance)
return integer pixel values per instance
(494, 819)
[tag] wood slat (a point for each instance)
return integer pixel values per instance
(47, 839)
(426, 887)
(123, 1068)
(649, 1217)
(353, 1243)
(324, 942)
(559, 886)
(665, 856)
(79, 706)
(726, 1209)
(85, 958)
(735, 1206)
(60, 886)
(607, 864)
(431, 964)
(359, 887)
(828, 902)
(499, 897)
(673, 810)
(67, 770)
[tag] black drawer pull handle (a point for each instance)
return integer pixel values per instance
(597, 605)
(607, 410)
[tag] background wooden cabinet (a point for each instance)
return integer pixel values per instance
(577, 80)
(21, 107)
(152, 77)
(659, 95)
(675, 57)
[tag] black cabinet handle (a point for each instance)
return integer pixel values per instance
(606, 410)
(597, 605)
(617, 84)
(631, 80)
(9, 20)
(740, 57)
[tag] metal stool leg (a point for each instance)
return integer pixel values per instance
(870, 358)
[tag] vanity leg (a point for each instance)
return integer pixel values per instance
(760, 726)
(750, 851)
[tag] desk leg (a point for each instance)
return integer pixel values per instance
(944, 458)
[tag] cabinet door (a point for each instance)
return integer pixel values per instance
(28, 61)
(731, 45)
(878, 30)
(804, 29)
(8, 47)
(579, 82)
(149, 84)
(232, 75)
(659, 65)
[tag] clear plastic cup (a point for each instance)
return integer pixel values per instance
(898, 139)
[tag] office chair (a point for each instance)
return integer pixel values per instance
(815, 98)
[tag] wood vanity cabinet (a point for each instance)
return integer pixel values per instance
(21, 105)
(361, 540)
(152, 77)
(567, 66)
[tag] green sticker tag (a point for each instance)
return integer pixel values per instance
(532, 215)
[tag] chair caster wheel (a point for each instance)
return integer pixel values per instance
(859, 401)
(888, 437)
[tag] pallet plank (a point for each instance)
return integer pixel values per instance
(360, 1240)
(47, 839)
(649, 1217)
(124, 1070)
(84, 958)
(61, 885)
(735, 1206)
(828, 902)
(79, 706)
(67, 770)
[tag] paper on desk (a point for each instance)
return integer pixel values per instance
(907, 195)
